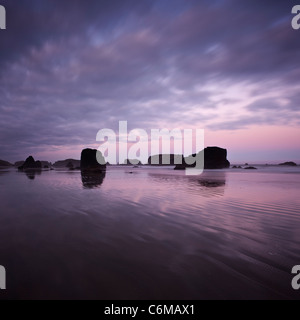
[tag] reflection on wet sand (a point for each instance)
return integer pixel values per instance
(209, 179)
(156, 234)
(32, 173)
(211, 183)
(3, 171)
(91, 180)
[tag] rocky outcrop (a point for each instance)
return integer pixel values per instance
(45, 164)
(71, 167)
(214, 158)
(289, 163)
(30, 163)
(165, 159)
(5, 164)
(89, 161)
(250, 168)
(18, 163)
(130, 162)
(66, 163)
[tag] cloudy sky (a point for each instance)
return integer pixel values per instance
(69, 68)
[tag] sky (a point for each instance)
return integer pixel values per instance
(69, 68)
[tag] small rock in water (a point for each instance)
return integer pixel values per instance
(289, 163)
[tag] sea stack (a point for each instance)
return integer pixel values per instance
(165, 159)
(214, 158)
(89, 161)
(30, 163)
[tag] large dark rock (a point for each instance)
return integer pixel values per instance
(165, 159)
(214, 158)
(70, 165)
(46, 164)
(66, 163)
(5, 164)
(130, 162)
(289, 163)
(30, 163)
(18, 163)
(89, 161)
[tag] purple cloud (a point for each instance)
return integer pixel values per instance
(70, 68)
